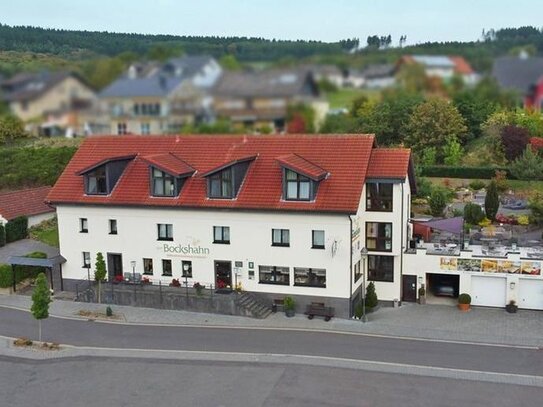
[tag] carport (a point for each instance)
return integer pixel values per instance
(49, 264)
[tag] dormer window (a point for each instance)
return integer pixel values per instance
(97, 181)
(224, 181)
(101, 178)
(301, 178)
(164, 184)
(298, 187)
(221, 185)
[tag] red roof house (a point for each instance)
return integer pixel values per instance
(25, 202)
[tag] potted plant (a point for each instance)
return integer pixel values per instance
(422, 295)
(175, 283)
(289, 306)
(198, 287)
(118, 279)
(145, 280)
(464, 301)
(512, 307)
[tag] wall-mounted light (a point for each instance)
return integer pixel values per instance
(512, 285)
(420, 279)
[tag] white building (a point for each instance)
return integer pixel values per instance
(279, 215)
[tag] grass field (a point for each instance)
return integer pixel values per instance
(344, 97)
(46, 232)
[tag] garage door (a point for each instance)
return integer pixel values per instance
(530, 294)
(488, 291)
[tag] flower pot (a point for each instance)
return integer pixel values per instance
(464, 307)
(511, 308)
(290, 313)
(422, 300)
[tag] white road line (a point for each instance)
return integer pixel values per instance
(287, 329)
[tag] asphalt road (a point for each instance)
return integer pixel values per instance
(90, 382)
(15, 323)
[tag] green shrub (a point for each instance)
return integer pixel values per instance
(464, 299)
(450, 171)
(16, 229)
(473, 213)
(109, 311)
(437, 202)
(289, 303)
(371, 296)
(2, 235)
(476, 185)
(6, 276)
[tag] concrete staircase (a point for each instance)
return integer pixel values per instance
(253, 305)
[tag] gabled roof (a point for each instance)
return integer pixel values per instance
(517, 73)
(378, 71)
(345, 157)
(268, 83)
(169, 163)
(157, 86)
(24, 202)
(461, 66)
(31, 86)
(301, 165)
(391, 163)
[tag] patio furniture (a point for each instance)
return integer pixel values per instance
(318, 309)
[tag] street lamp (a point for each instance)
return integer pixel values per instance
(363, 256)
(133, 265)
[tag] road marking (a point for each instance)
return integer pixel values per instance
(71, 351)
(288, 329)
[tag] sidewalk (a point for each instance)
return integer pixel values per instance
(439, 322)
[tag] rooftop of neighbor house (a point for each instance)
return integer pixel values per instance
(458, 63)
(519, 73)
(338, 163)
(24, 202)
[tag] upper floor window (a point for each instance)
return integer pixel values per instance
(280, 237)
(221, 184)
(97, 181)
(381, 268)
(298, 187)
(221, 234)
(379, 236)
(165, 231)
(145, 128)
(121, 129)
(379, 196)
(163, 184)
(113, 226)
(83, 225)
(317, 239)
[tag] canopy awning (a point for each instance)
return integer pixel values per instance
(452, 225)
(30, 261)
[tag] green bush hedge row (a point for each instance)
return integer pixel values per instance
(448, 171)
(21, 272)
(17, 229)
(2, 235)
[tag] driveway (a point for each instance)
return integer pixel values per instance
(25, 246)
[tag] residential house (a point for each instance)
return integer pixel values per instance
(158, 99)
(330, 73)
(379, 76)
(523, 75)
(259, 99)
(39, 98)
(442, 66)
(275, 214)
(26, 202)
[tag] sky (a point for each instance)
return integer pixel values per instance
(323, 20)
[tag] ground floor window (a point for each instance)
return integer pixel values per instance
(309, 277)
(274, 275)
(148, 266)
(357, 273)
(381, 268)
(166, 268)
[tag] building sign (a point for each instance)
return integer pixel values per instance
(180, 250)
(490, 266)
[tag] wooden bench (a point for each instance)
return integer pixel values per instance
(318, 309)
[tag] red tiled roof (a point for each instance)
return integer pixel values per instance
(302, 166)
(345, 157)
(536, 143)
(462, 66)
(25, 202)
(389, 163)
(170, 163)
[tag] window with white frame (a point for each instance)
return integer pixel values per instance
(280, 237)
(221, 234)
(379, 236)
(165, 231)
(317, 237)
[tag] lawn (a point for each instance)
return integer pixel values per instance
(46, 232)
(344, 97)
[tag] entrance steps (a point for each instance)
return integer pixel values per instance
(253, 305)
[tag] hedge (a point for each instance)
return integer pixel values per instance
(17, 229)
(2, 235)
(21, 272)
(448, 171)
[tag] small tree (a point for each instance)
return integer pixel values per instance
(437, 202)
(514, 140)
(371, 296)
(529, 166)
(492, 200)
(41, 297)
(473, 214)
(100, 273)
(452, 152)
